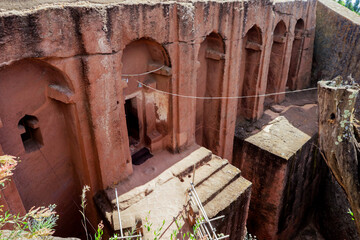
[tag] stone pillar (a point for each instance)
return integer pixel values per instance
(108, 113)
(338, 139)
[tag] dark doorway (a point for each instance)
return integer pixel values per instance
(132, 123)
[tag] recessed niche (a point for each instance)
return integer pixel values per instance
(276, 60)
(296, 53)
(251, 66)
(31, 137)
(209, 84)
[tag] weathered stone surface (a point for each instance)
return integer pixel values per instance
(337, 51)
(338, 142)
(220, 187)
(331, 209)
(180, 170)
(337, 48)
(301, 191)
(277, 108)
(88, 49)
(280, 138)
(284, 185)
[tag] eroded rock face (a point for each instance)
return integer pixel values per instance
(331, 215)
(279, 156)
(337, 138)
(337, 49)
(69, 66)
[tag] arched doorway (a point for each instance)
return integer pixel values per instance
(148, 111)
(296, 55)
(251, 67)
(38, 129)
(209, 84)
(276, 60)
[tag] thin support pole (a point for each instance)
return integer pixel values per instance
(127, 237)
(205, 216)
(202, 208)
(205, 224)
(118, 209)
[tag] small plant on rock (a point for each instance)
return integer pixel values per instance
(38, 222)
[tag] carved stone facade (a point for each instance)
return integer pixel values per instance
(73, 111)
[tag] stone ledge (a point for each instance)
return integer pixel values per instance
(280, 138)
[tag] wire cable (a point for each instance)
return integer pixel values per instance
(142, 74)
(208, 98)
(231, 97)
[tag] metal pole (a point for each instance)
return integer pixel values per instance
(126, 237)
(118, 209)
(204, 231)
(213, 219)
(223, 237)
(202, 209)
(205, 216)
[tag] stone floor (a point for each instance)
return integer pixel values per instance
(158, 191)
(300, 109)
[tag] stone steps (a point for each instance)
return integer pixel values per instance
(226, 193)
(211, 167)
(218, 184)
(227, 196)
(180, 170)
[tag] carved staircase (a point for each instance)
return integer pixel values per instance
(220, 186)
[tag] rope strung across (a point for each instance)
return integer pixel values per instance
(142, 74)
(210, 98)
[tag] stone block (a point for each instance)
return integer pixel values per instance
(277, 161)
(220, 187)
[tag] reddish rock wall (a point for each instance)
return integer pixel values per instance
(336, 42)
(278, 155)
(284, 191)
(83, 48)
(337, 48)
(331, 211)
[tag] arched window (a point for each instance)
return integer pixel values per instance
(31, 137)
(251, 61)
(209, 84)
(296, 55)
(147, 112)
(276, 60)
